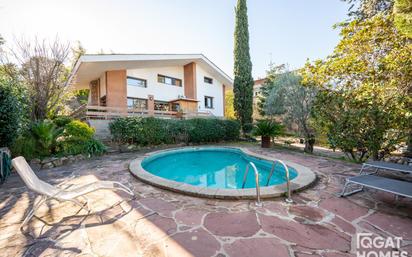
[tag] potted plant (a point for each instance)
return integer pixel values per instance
(267, 129)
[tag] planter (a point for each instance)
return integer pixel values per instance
(265, 142)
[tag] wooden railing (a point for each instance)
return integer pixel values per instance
(85, 112)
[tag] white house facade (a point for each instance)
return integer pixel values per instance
(163, 84)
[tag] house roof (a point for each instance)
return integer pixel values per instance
(90, 66)
(259, 81)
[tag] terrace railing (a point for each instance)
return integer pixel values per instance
(88, 112)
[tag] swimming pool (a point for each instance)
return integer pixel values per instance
(214, 168)
(217, 172)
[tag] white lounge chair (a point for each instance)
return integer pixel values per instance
(48, 191)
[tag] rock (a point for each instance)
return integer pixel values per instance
(65, 160)
(79, 157)
(35, 161)
(57, 162)
(47, 165)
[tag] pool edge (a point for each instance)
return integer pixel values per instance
(304, 179)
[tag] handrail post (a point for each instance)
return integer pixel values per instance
(271, 172)
(258, 202)
(289, 193)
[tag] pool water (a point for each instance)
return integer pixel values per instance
(213, 168)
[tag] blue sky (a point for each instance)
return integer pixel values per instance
(284, 31)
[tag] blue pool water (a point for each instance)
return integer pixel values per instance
(213, 167)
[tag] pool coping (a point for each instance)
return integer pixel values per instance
(304, 179)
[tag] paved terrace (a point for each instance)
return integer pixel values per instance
(162, 223)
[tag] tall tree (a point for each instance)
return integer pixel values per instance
(365, 9)
(243, 83)
(292, 101)
(271, 76)
(364, 88)
(44, 72)
(403, 16)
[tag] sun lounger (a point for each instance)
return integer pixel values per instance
(395, 186)
(48, 191)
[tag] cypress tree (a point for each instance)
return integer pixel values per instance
(243, 83)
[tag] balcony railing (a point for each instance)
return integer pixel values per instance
(88, 112)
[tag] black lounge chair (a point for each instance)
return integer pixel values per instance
(395, 186)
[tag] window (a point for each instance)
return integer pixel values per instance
(208, 80)
(169, 80)
(208, 102)
(136, 82)
(137, 103)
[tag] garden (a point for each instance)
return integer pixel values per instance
(356, 102)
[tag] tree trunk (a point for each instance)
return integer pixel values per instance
(408, 152)
(309, 143)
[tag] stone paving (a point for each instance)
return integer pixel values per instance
(160, 223)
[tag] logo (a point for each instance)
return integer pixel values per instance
(370, 245)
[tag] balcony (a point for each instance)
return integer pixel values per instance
(89, 112)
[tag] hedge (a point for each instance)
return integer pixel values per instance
(154, 131)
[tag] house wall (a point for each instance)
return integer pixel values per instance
(116, 88)
(214, 90)
(113, 85)
(160, 91)
(190, 80)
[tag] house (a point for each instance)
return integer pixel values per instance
(160, 85)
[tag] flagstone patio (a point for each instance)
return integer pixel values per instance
(161, 223)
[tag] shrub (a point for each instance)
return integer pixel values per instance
(94, 147)
(232, 129)
(267, 128)
(78, 130)
(45, 134)
(25, 145)
(39, 140)
(153, 131)
(9, 116)
(78, 139)
(61, 121)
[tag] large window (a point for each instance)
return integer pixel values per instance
(208, 102)
(136, 82)
(169, 80)
(208, 80)
(137, 103)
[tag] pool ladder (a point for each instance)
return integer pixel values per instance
(251, 164)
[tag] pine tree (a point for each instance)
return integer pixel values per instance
(243, 83)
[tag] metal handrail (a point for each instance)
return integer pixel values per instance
(258, 203)
(289, 193)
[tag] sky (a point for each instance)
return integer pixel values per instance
(281, 31)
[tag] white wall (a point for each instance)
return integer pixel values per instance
(164, 92)
(214, 90)
(161, 92)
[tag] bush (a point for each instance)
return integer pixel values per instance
(45, 134)
(232, 129)
(267, 128)
(78, 130)
(9, 116)
(78, 139)
(153, 131)
(62, 121)
(25, 145)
